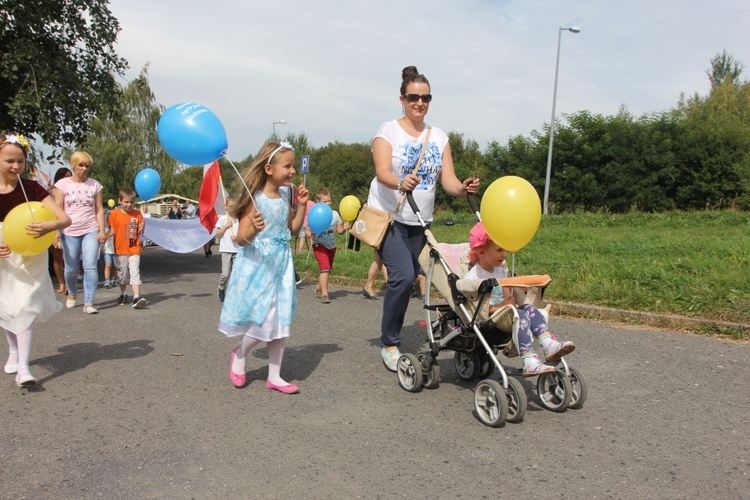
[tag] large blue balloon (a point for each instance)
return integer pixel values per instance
(192, 134)
(147, 183)
(319, 218)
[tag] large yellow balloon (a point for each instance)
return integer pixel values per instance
(349, 207)
(14, 228)
(111, 203)
(511, 212)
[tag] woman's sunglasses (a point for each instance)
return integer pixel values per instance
(426, 98)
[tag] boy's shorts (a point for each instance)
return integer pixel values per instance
(109, 258)
(324, 256)
(128, 269)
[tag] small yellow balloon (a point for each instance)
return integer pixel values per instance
(511, 212)
(111, 203)
(14, 228)
(349, 208)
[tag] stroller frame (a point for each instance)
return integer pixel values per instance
(464, 319)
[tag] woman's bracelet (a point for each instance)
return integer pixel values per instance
(400, 183)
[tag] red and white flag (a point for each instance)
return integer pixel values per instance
(210, 204)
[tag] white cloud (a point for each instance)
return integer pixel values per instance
(332, 69)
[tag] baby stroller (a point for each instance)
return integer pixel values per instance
(464, 326)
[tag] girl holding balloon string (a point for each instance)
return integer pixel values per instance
(26, 293)
(261, 298)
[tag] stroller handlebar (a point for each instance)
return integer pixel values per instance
(472, 202)
(412, 203)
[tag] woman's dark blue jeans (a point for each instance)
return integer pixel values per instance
(399, 252)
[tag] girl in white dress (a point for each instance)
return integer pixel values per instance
(26, 293)
(261, 297)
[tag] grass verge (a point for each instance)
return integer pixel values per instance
(690, 270)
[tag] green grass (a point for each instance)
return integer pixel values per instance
(695, 264)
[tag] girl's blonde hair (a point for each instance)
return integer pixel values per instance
(255, 176)
(79, 158)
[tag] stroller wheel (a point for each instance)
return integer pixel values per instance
(409, 371)
(555, 390)
(431, 375)
(491, 403)
(516, 401)
(467, 364)
(486, 366)
(580, 388)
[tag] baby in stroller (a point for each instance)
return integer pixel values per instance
(487, 258)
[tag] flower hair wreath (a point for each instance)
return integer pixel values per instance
(16, 139)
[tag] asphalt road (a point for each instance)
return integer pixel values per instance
(138, 404)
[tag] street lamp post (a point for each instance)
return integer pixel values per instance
(552, 121)
(280, 122)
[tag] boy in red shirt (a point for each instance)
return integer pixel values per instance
(126, 224)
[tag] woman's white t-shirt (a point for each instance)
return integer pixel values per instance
(405, 153)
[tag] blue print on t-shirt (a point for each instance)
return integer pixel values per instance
(430, 167)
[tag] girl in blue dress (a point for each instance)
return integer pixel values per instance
(261, 298)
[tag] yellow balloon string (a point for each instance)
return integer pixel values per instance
(31, 212)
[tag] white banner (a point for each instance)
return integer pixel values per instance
(175, 235)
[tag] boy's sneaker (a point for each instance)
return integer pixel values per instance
(390, 358)
(107, 283)
(221, 294)
(122, 300)
(139, 302)
(297, 278)
(556, 350)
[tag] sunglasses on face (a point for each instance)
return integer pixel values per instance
(426, 98)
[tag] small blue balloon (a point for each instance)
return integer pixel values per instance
(319, 218)
(192, 134)
(147, 183)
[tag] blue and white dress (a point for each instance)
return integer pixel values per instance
(261, 299)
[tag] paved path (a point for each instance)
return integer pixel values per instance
(137, 404)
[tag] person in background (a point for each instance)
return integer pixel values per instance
(81, 198)
(146, 215)
(108, 250)
(226, 232)
(368, 291)
(175, 212)
(324, 246)
(58, 262)
(126, 225)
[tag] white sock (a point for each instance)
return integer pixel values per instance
(240, 357)
(547, 342)
(275, 356)
(24, 350)
(531, 360)
(12, 348)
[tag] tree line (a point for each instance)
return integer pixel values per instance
(57, 76)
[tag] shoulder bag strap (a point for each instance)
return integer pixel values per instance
(416, 166)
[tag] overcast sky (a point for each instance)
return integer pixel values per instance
(332, 69)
